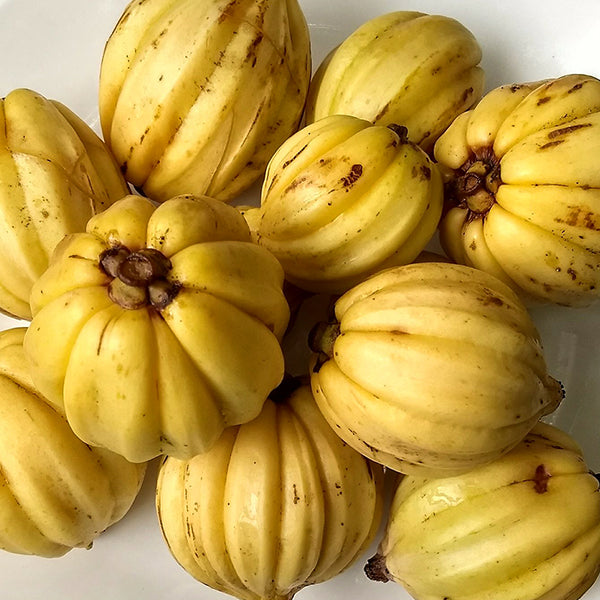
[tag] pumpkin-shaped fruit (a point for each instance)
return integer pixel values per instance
(275, 505)
(431, 368)
(158, 327)
(55, 173)
(523, 191)
(195, 97)
(524, 527)
(343, 198)
(56, 493)
(404, 67)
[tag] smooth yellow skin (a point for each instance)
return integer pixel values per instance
(275, 505)
(343, 198)
(144, 381)
(437, 368)
(499, 531)
(56, 492)
(56, 174)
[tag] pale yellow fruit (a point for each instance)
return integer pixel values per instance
(56, 492)
(524, 527)
(523, 188)
(278, 504)
(431, 369)
(404, 67)
(195, 97)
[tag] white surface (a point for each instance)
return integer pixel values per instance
(55, 48)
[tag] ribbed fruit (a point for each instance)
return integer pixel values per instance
(277, 504)
(431, 369)
(195, 97)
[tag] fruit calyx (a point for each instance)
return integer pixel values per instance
(477, 182)
(376, 570)
(321, 339)
(139, 277)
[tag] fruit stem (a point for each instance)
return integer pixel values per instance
(139, 278)
(476, 187)
(322, 336)
(376, 570)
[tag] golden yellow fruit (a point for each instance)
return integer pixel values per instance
(56, 493)
(277, 504)
(55, 174)
(431, 369)
(524, 527)
(343, 198)
(523, 188)
(195, 97)
(158, 327)
(404, 67)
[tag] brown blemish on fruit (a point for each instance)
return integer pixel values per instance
(356, 172)
(291, 160)
(551, 144)
(423, 173)
(566, 130)
(576, 87)
(540, 479)
(579, 217)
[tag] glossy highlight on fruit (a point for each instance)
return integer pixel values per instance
(343, 198)
(278, 504)
(524, 527)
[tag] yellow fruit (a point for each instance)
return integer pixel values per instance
(277, 504)
(195, 97)
(343, 198)
(431, 369)
(56, 493)
(524, 527)
(403, 67)
(55, 173)
(523, 188)
(158, 327)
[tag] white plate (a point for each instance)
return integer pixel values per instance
(55, 48)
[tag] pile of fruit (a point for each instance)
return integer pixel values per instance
(159, 306)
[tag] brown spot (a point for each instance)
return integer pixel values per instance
(566, 130)
(572, 274)
(295, 183)
(423, 173)
(489, 298)
(291, 160)
(355, 173)
(578, 217)
(576, 87)
(543, 100)
(467, 94)
(551, 144)
(540, 479)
